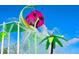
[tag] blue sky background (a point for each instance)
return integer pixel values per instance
(65, 18)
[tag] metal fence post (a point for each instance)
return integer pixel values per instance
(2, 45)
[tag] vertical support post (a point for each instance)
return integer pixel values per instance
(18, 39)
(2, 45)
(35, 43)
(8, 42)
(35, 38)
(9, 39)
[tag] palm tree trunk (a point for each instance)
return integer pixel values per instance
(51, 52)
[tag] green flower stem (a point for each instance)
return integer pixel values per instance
(35, 38)
(27, 37)
(35, 42)
(21, 19)
(29, 43)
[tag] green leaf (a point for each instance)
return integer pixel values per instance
(14, 29)
(0, 38)
(60, 44)
(44, 39)
(51, 39)
(1, 35)
(61, 37)
(54, 45)
(47, 44)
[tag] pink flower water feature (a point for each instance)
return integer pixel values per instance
(32, 17)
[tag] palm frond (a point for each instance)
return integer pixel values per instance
(47, 44)
(61, 37)
(57, 40)
(44, 39)
(51, 39)
(54, 44)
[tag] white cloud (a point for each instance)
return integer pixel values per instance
(70, 42)
(68, 47)
(74, 40)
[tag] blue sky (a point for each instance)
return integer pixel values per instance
(65, 18)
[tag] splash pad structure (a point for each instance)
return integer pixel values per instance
(30, 31)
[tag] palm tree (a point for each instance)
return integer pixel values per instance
(51, 40)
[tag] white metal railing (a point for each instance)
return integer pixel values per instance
(18, 34)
